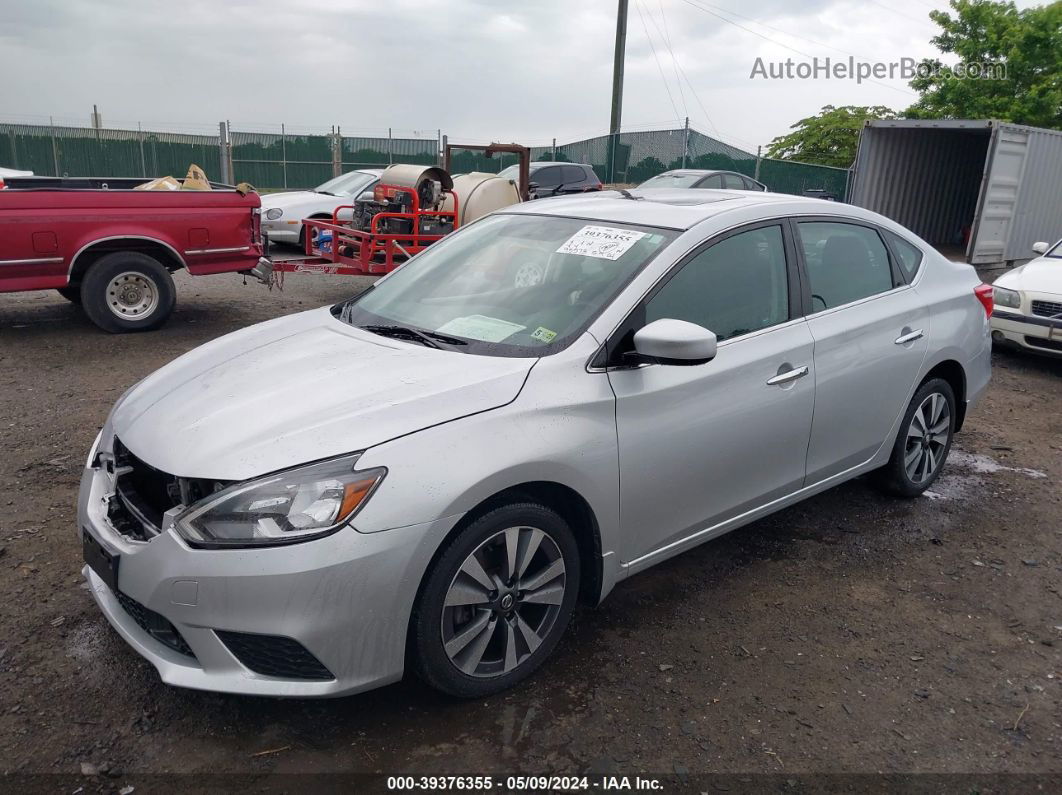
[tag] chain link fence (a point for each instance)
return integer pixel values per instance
(289, 161)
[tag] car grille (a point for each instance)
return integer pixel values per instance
(273, 655)
(1039, 342)
(155, 625)
(143, 494)
(1047, 308)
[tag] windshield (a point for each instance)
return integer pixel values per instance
(671, 181)
(512, 172)
(347, 184)
(509, 285)
(1056, 251)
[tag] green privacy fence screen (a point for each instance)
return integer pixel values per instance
(278, 161)
(87, 152)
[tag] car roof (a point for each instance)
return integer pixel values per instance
(668, 208)
(541, 163)
(698, 172)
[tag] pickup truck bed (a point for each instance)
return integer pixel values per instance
(112, 248)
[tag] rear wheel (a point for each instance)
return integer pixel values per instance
(71, 293)
(923, 442)
(497, 601)
(128, 291)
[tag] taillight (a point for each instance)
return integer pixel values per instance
(984, 295)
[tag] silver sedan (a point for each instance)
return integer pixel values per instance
(429, 476)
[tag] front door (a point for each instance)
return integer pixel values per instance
(702, 444)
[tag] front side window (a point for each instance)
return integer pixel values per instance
(845, 263)
(735, 286)
(549, 177)
(509, 285)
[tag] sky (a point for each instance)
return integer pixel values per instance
(479, 70)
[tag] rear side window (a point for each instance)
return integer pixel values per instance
(733, 181)
(845, 262)
(714, 181)
(751, 184)
(910, 256)
(736, 286)
(573, 174)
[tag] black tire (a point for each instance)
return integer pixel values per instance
(895, 477)
(120, 313)
(71, 293)
(429, 656)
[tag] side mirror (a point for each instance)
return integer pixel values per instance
(365, 196)
(669, 341)
(1040, 248)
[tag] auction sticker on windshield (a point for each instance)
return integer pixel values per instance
(602, 242)
(480, 327)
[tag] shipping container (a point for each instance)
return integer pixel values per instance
(988, 188)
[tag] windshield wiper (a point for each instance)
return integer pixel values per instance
(427, 338)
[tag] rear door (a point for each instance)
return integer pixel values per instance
(871, 334)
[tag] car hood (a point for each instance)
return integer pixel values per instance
(298, 389)
(1041, 275)
(302, 199)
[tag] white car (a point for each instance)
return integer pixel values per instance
(282, 213)
(1028, 303)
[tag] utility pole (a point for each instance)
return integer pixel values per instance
(685, 141)
(617, 87)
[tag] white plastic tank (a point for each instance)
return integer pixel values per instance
(480, 193)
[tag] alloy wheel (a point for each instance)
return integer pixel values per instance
(927, 438)
(503, 602)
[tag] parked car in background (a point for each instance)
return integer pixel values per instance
(7, 173)
(1028, 299)
(434, 479)
(283, 213)
(111, 248)
(554, 179)
(703, 178)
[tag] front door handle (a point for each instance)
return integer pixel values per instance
(788, 375)
(911, 336)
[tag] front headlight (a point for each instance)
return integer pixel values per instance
(273, 213)
(297, 505)
(1001, 296)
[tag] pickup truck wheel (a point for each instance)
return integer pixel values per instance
(71, 293)
(128, 291)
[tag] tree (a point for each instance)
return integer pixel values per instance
(1027, 43)
(829, 139)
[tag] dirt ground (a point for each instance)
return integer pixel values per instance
(850, 634)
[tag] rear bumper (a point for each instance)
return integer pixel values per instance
(1029, 332)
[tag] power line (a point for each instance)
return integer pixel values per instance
(780, 44)
(670, 49)
(649, 38)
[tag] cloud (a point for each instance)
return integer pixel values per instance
(476, 69)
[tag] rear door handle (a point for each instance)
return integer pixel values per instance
(788, 375)
(903, 339)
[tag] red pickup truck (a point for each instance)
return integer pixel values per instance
(112, 249)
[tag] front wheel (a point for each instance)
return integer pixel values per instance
(923, 442)
(128, 291)
(497, 601)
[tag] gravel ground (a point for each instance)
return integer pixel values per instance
(850, 634)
